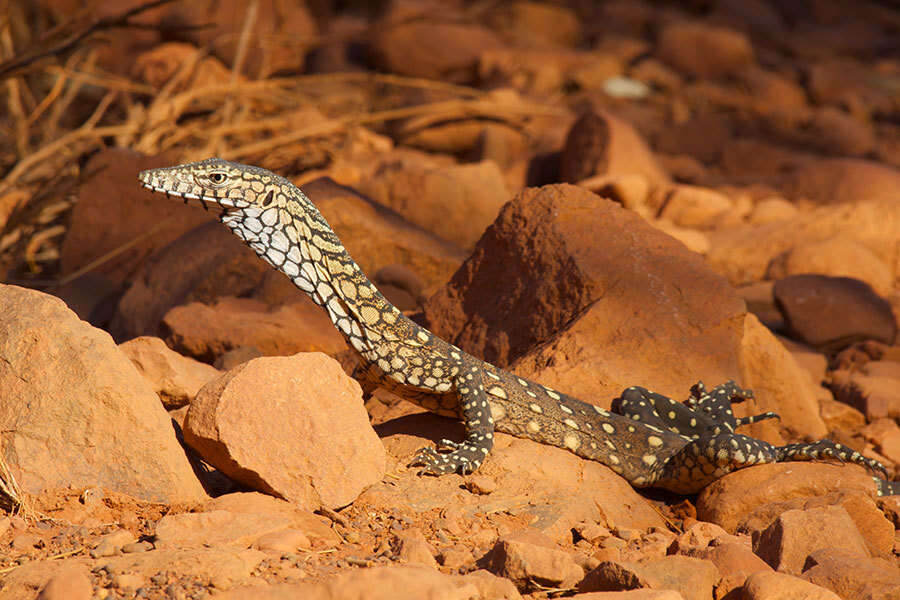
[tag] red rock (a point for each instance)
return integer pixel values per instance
(772, 210)
(643, 594)
(563, 489)
(853, 577)
(772, 91)
(795, 534)
(571, 295)
(221, 568)
(158, 65)
(885, 434)
(407, 582)
(693, 578)
(216, 528)
(288, 29)
(176, 379)
(284, 541)
(400, 286)
(529, 564)
(767, 585)
(744, 253)
(843, 180)
(414, 548)
(266, 425)
(78, 412)
(535, 24)
(875, 396)
(848, 81)
(729, 500)
(377, 237)
(70, 583)
(702, 50)
(201, 265)
(113, 210)
(207, 332)
(833, 312)
(779, 384)
(735, 561)
(702, 137)
(838, 133)
(600, 144)
(758, 159)
(316, 528)
(112, 543)
(837, 258)
(840, 416)
(456, 203)
(547, 71)
(443, 51)
(693, 206)
(698, 537)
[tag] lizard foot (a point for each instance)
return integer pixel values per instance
(463, 457)
(828, 449)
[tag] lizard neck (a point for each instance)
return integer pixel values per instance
(302, 245)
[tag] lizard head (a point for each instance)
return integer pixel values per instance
(226, 184)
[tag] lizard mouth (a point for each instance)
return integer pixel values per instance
(147, 181)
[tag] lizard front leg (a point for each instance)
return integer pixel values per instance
(466, 456)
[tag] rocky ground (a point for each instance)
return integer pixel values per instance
(592, 195)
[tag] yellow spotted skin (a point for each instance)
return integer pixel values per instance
(647, 438)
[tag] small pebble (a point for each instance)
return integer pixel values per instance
(481, 484)
(142, 546)
(128, 581)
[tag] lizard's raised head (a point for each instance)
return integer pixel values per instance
(228, 184)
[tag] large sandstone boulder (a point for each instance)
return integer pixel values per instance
(589, 298)
(294, 427)
(75, 411)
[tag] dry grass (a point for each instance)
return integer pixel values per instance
(64, 110)
(12, 499)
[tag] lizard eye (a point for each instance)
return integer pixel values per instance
(218, 177)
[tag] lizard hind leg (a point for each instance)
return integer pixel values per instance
(709, 457)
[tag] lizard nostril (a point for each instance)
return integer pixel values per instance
(267, 201)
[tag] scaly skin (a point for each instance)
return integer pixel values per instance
(648, 439)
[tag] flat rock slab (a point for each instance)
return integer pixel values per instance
(294, 427)
(693, 578)
(729, 500)
(75, 410)
(222, 568)
(408, 582)
(216, 528)
(554, 489)
(853, 577)
(768, 585)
